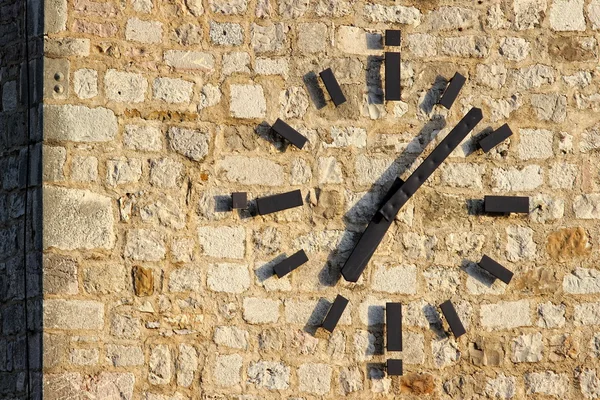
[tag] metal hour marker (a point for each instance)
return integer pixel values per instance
(279, 202)
(451, 93)
(333, 87)
(335, 312)
(291, 263)
(393, 326)
(292, 135)
(240, 200)
(394, 367)
(506, 204)
(392, 76)
(452, 317)
(495, 138)
(392, 37)
(497, 270)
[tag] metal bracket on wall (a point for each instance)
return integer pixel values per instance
(56, 78)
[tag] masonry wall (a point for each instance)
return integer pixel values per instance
(156, 111)
(20, 200)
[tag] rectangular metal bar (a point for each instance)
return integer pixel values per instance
(394, 367)
(392, 76)
(452, 317)
(333, 87)
(393, 326)
(451, 92)
(431, 163)
(292, 135)
(497, 270)
(369, 240)
(279, 202)
(239, 200)
(291, 263)
(495, 138)
(335, 312)
(506, 204)
(392, 37)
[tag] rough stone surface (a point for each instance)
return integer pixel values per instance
(126, 87)
(77, 219)
(505, 315)
(160, 366)
(270, 375)
(314, 378)
(190, 143)
(567, 15)
(144, 245)
(79, 123)
(230, 278)
(143, 31)
(227, 370)
(247, 101)
(547, 383)
(172, 90)
(73, 314)
(226, 34)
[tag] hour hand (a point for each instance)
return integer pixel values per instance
(431, 163)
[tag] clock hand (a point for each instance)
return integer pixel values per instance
(378, 226)
(431, 163)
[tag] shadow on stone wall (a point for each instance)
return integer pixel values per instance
(20, 200)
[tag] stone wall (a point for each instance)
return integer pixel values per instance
(155, 111)
(20, 200)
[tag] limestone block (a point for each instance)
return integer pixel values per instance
(73, 314)
(79, 123)
(77, 219)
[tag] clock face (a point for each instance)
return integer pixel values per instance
(320, 199)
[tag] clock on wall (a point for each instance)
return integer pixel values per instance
(398, 194)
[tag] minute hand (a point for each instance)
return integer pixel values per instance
(372, 236)
(431, 163)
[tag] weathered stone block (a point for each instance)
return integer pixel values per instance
(85, 83)
(143, 31)
(106, 279)
(79, 123)
(193, 144)
(231, 336)
(229, 278)
(396, 279)
(77, 219)
(192, 60)
(143, 281)
(73, 314)
(173, 90)
(314, 378)
(393, 14)
(505, 315)
(222, 242)
(269, 374)
(548, 383)
(144, 245)
(567, 15)
(187, 364)
(185, 279)
(247, 101)
(126, 87)
(227, 370)
(251, 171)
(124, 356)
(60, 275)
(160, 366)
(226, 34)
(261, 311)
(270, 38)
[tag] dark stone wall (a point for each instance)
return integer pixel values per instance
(21, 45)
